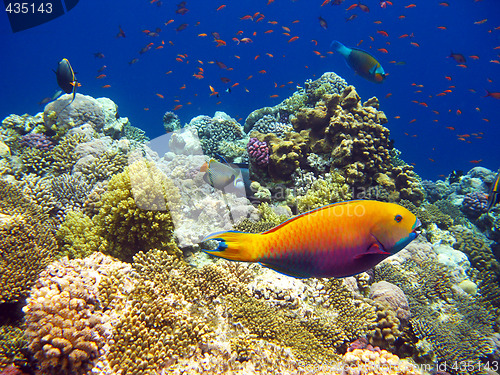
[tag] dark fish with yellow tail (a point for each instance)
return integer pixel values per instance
(494, 194)
(338, 240)
(66, 78)
(361, 62)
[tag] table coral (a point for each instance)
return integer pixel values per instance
(27, 243)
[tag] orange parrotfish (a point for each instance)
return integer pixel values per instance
(361, 62)
(337, 240)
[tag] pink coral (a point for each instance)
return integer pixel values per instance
(258, 152)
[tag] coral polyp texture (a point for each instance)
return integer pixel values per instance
(27, 243)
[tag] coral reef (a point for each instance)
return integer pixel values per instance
(271, 124)
(171, 122)
(12, 347)
(475, 204)
(36, 140)
(330, 189)
(258, 152)
(65, 328)
(213, 130)
(27, 243)
(328, 83)
(447, 323)
(429, 214)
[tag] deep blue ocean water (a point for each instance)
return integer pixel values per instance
(420, 132)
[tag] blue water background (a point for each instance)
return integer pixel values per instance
(29, 56)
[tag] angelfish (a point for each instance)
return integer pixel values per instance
(66, 78)
(337, 240)
(361, 62)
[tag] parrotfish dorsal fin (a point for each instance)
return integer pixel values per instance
(307, 213)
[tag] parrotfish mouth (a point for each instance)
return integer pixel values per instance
(415, 227)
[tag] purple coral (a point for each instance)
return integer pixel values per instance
(258, 152)
(475, 203)
(36, 140)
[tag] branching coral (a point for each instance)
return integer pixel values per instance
(136, 211)
(26, 243)
(330, 189)
(65, 328)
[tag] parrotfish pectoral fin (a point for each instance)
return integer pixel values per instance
(374, 249)
(234, 246)
(340, 48)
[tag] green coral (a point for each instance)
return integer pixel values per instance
(135, 214)
(77, 236)
(333, 188)
(268, 219)
(27, 243)
(136, 211)
(13, 346)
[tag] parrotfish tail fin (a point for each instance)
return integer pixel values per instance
(234, 246)
(340, 48)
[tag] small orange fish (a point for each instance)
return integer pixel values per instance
(383, 50)
(235, 84)
(415, 44)
(268, 31)
(177, 107)
(160, 95)
(388, 95)
(262, 71)
(412, 121)
(274, 96)
(410, 6)
(247, 17)
(221, 7)
(476, 161)
(382, 32)
(474, 57)
(448, 78)
(106, 86)
(480, 22)
(403, 36)
(450, 128)
(286, 29)
(352, 7)
(441, 27)
(293, 39)
(101, 76)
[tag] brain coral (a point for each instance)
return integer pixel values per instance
(27, 243)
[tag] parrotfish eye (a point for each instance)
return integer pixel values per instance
(398, 218)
